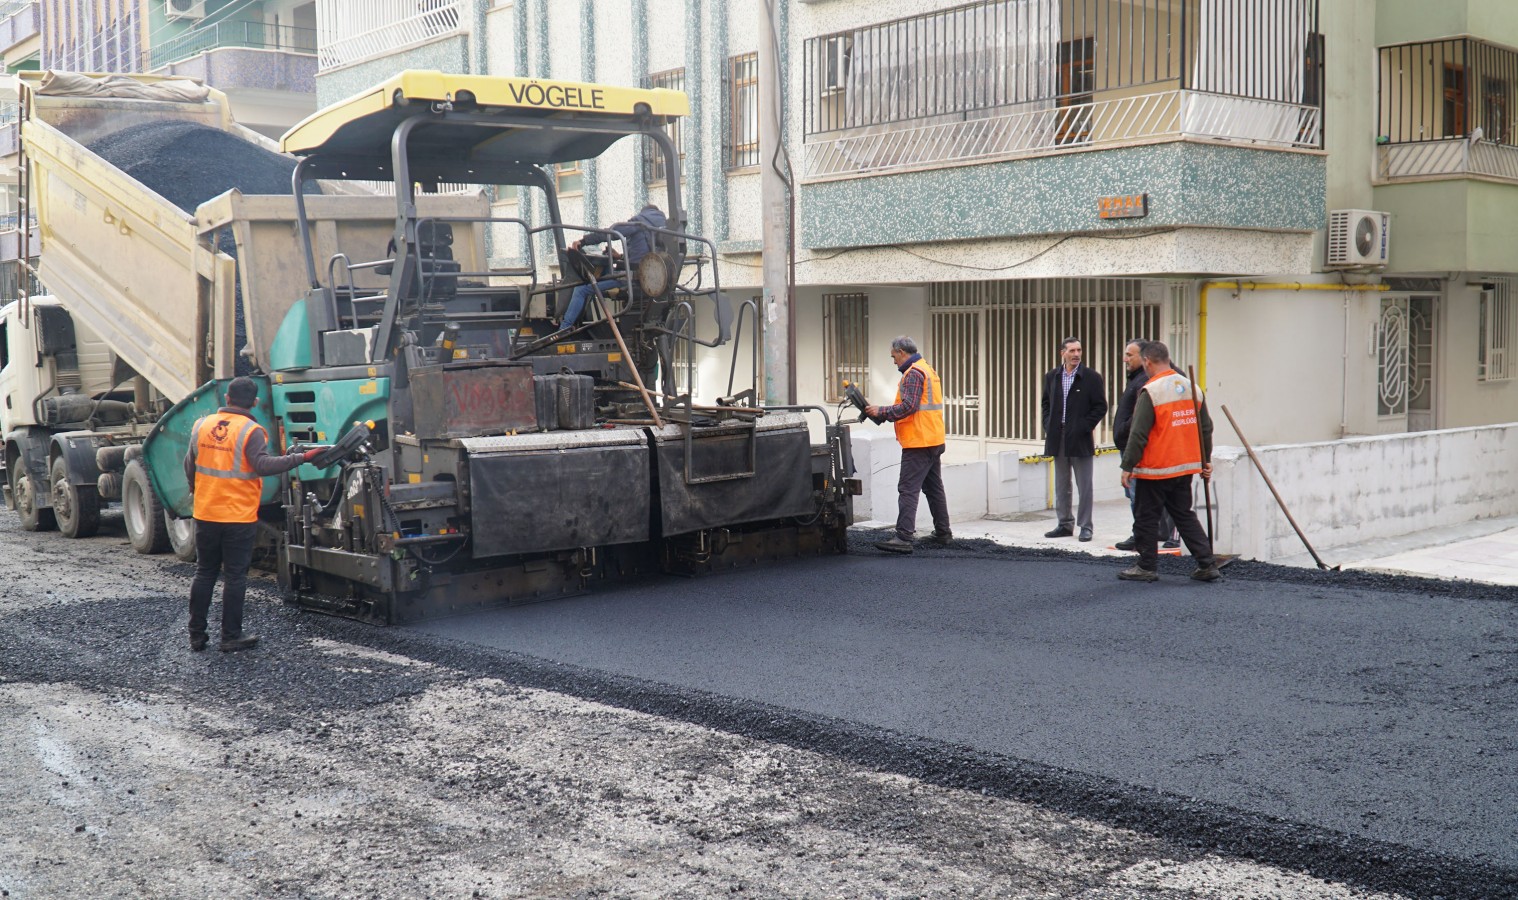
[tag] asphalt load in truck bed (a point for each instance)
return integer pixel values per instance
(343, 760)
(188, 163)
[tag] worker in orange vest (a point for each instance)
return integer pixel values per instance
(226, 466)
(918, 414)
(1170, 441)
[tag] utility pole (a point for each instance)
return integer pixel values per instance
(775, 310)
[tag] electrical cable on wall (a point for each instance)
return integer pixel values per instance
(910, 252)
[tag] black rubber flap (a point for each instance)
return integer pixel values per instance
(780, 487)
(542, 500)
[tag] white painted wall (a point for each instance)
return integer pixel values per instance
(1361, 489)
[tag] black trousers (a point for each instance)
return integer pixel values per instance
(1172, 495)
(921, 473)
(222, 549)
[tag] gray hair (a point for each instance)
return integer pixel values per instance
(1068, 341)
(904, 344)
(1155, 351)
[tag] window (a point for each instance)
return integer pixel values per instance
(846, 342)
(1494, 120)
(1454, 101)
(1077, 79)
(5, 344)
(569, 178)
(654, 169)
(743, 111)
(1495, 360)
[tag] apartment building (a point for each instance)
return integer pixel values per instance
(261, 53)
(1312, 203)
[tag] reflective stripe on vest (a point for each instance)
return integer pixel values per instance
(226, 487)
(925, 427)
(1174, 447)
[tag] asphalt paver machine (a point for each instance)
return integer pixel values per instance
(482, 456)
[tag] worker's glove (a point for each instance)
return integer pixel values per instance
(314, 452)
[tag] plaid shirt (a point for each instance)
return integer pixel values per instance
(912, 384)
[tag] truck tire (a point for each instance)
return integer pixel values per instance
(181, 536)
(145, 524)
(24, 495)
(75, 506)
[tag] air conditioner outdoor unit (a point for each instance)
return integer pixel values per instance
(185, 9)
(1358, 237)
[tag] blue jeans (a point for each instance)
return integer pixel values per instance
(578, 299)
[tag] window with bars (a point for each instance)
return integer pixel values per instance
(743, 111)
(993, 342)
(845, 342)
(654, 168)
(1495, 361)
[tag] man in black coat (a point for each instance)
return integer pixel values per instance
(1074, 403)
(1122, 424)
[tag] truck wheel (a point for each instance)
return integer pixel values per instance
(145, 525)
(181, 536)
(24, 493)
(75, 506)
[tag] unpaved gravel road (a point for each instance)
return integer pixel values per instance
(338, 760)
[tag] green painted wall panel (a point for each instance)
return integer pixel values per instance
(1189, 184)
(1401, 21)
(1455, 225)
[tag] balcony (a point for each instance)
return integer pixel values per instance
(223, 35)
(268, 72)
(21, 22)
(1445, 112)
(354, 31)
(1003, 79)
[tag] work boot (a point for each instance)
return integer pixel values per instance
(894, 545)
(1208, 572)
(241, 642)
(1061, 531)
(1127, 544)
(197, 641)
(1138, 573)
(939, 538)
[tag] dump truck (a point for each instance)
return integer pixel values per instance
(142, 306)
(479, 454)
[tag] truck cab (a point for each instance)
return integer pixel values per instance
(63, 398)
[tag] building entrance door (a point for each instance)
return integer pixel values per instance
(1422, 314)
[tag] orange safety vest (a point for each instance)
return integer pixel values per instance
(1175, 444)
(923, 428)
(226, 487)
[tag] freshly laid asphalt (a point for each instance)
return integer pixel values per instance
(1364, 707)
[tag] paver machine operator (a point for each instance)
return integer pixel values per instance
(481, 456)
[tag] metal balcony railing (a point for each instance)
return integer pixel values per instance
(1103, 123)
(1008, 77)
(354, 30)
(1446, 110)
(245, 35)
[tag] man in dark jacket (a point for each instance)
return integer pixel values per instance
(1122, 424)
(1074, 403)
(640, 242)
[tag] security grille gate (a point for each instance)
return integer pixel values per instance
(1010, 332)
(846, 342)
